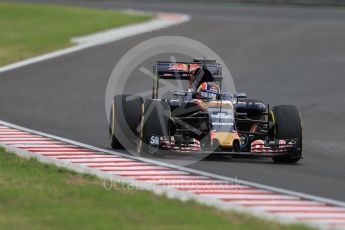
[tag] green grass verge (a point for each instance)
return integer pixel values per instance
(27, 30)
(40, 196)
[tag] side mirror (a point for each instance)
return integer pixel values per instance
(240, 95)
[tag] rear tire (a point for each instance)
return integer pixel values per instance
(155, 121)
(124, 120)
(287, 124)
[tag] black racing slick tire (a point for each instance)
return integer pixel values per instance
(124, 121)
(155, 123)
(287, 124)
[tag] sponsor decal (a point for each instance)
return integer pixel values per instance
(223, 123)
(154, 140)
(243, 140)
(178, 66)
(193, 67)
(183, 67)
(180, 93)
(222, 115)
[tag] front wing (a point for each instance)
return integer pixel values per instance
(258, 148)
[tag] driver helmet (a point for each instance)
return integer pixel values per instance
(208, 90)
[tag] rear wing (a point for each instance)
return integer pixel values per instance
(182, 71)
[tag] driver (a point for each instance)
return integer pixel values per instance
(208, 91)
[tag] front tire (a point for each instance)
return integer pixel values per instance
(124, 120)
(155, 121)
(287, 124)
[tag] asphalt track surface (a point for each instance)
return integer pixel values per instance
(280, 55)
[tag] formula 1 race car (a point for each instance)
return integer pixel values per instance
(204, 119)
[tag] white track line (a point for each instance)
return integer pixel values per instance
(181, 183)
(163, 20)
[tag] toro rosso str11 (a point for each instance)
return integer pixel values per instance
(204, 119)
